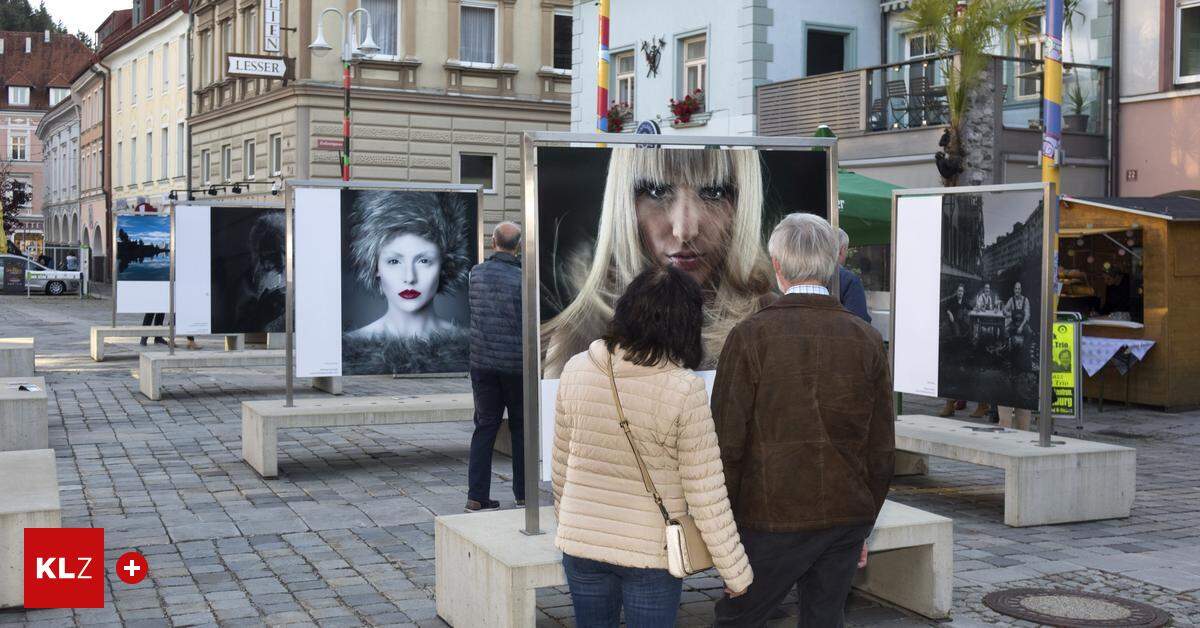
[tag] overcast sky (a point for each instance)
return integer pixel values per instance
(82, 15)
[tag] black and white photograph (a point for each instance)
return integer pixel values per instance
(406, 258)
(248, 279)
(605, 214)
(143, 248)
(990, 298)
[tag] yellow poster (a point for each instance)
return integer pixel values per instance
(1062, 372)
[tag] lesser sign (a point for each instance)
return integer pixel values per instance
(256, 67)
(271, 32)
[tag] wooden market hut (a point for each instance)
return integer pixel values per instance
(1160, 237)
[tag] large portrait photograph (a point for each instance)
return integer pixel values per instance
(606, 214)
(143, 248)
(406, 259)
(248, 279)
(990, 297)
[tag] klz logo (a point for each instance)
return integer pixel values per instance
(64, 567)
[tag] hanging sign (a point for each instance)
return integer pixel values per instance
(271, 31)
(1064, 369)
(256, 66)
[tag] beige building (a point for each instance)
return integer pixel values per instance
(445, 99)
(147, 104)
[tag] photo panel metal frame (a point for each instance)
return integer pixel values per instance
(114, 262)
(531, 276)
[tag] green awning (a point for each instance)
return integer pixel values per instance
(865, 208)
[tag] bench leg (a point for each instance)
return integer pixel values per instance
(12, 551)
(260, 440)
(97, 346)
(920, 579)
(236, 342)
(474, 589)
(1062, 489)
(276, 340)
(148, 375)
(908, 463)
(331, 385)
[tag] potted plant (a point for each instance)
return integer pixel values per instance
(1077, 121)
(619, 114)
(683, 110)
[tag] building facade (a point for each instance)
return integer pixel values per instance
(444, 100)
(88, 93)
(58, 134)
(1159, 123)
(35, 75)
(146, 114)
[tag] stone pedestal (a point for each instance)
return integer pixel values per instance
(23, 414)
(16, 357)
(29, 485)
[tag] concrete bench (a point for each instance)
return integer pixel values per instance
(1075, 480)
(488, 571)
(99, 334)
(262, 420)
(24, 420)
(29, 484)
(16, 357)
(152, 365)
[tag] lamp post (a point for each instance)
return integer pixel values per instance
(351, 50)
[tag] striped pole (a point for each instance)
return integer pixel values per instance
(346, 120)
(602, 72)
(1052, 89)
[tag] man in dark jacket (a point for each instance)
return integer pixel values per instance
(852, 295)
(496, 381)
(803, 409)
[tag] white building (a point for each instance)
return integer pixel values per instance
(58, 131)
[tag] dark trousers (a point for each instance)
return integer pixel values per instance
(599, 591)
(819, 564)
(153, 318)
(494, 392)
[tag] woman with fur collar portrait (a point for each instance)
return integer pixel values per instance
(409, 249)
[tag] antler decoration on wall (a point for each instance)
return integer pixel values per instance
(652, 50)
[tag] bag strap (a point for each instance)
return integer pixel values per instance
(646, 479)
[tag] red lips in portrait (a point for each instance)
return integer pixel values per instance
(410, 294)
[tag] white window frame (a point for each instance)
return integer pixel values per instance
(629, 77)
(17, 90)
(492, 156)
(228, 41)
(181, 58)
(64, 91)
(1035, 74)
(702, 64)
(133, 82)
(1179, 7)
(227, 163)
(149, 74)
(24, 147)
(165, 159)
(399, 35)
(149, 156)
(206, 166)
(275, 144)
(250, 31)
(495, 9)
(181, 144)
(120, 88)
(120, 155)
(249, 159)
(133, 160)
(166, 67)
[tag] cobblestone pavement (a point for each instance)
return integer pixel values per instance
(345, 535)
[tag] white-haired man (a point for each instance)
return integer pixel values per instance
(850, 287)
(803, 409)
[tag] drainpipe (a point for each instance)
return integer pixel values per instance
(1114, 132)
(105, 145)
(188, 117)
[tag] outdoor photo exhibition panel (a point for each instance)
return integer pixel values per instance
(142, 265)
(381, 276)
(968, 316)
(597, 216)
(229, 274)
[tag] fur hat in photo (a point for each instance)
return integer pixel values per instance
(440, 217)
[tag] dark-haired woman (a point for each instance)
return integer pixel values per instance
(610, 530)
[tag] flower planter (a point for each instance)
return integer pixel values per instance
(1076, 123)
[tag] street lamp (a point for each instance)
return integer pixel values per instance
(351, 50)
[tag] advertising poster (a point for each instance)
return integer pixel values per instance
(394, 264)
(605, 214)
(143, 262)
(248, 279)
(1063, 369)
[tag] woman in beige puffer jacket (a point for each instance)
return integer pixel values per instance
(608, 525)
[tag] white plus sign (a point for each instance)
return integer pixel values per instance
(132, 568)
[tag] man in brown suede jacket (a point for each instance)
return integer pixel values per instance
(803, 408)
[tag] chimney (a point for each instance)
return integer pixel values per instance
(46, 36)
(28, 45)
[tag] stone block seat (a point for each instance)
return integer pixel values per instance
(24, 419)
(488, 571)
(262, 420)
(1075, 480)
(151, 366)
(101, 333)
(16, 357)
(29, 486)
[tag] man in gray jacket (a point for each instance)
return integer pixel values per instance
(496, 361)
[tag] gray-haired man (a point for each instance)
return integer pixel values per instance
(803, 409)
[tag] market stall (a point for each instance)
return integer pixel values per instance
(1131, 268)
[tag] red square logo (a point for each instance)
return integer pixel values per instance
(64, 567)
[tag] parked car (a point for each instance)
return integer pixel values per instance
(38, 278)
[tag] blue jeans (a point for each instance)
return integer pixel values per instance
(599, 590)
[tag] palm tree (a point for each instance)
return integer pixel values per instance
(966, 30)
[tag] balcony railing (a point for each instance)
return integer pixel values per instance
(912, 95)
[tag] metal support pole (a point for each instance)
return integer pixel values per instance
(171, 285)
(531, 340)
(289, 315)
(113, 254)
(346, 120)
(1049, 276)
(602, 70)
(1052, 73)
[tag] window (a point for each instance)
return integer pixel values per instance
(626, 76)
(1029, 69)
(59, 94)
(205, 166)
(248, 163)
(385, 25)
(825, 51)
(181, 50)
(1187, 41)
(133, 161)
(276, 142)
(120, 154)
(227, 163)
(180, 144)
(226, 46)
(165, 159)
(133, 83)
(206, 58)
(18, 147)
(250, 30)
(18, 96)
(120, 88)
(150, 74)
(918, 45)
(149, 156)
(166, 67)
(562, 40)
(695, 64)
(476, 169)
(477, 32)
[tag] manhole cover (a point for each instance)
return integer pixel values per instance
(1074, 609)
